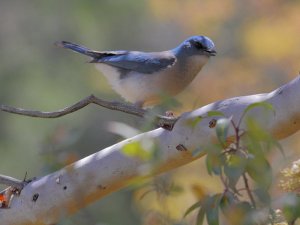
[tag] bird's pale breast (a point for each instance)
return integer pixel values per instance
(149, 88)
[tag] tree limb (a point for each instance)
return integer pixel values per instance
(161, 121)
(49, 198)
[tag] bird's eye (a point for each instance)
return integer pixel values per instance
(198, 45)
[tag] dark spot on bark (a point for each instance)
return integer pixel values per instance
(167, 126)
(181, 148)
(295, 122)
(101, 187)
(35, 197)
(212, 123)
(65, 187)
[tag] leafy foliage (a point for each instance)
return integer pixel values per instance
(246, 174)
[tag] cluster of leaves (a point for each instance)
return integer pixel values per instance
(239, 160)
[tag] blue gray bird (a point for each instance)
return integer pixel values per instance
(143, 78)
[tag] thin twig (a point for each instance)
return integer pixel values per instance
(161, 121)
(249, 191)
(224, 181)
(78, 105)
(13, 182)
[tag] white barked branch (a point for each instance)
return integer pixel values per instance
(47, 199)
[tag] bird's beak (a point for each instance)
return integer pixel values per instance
(212, 52)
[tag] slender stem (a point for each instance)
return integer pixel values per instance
(225, 183)
(249, 191)
(78, 105)
(161, 121)
(241, 118)
(236, 131)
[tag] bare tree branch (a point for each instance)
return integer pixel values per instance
(10, 181)
(161, 121)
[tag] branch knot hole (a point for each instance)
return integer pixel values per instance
(181, 148)
(35, 197)
(212, 123)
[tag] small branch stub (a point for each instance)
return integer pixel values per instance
(212, 123)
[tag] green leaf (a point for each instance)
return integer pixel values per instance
(259, 139)
(134, 149)
(209, 164)
(176, 189)
(255, 131)
(227, 202)
(265, 105)
(215, 113)
(234, 168)
(244, 210)
(279, 147)
(260, 171)
(263, 195)
(198, 151)
(200, 217)
(222, 129)
(213, 164)
(193, 122)
(291, 207)
(212, 205)
(192, 208)
(214, 159)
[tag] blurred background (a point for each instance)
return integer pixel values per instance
(258, 50)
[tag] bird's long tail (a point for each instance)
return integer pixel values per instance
(79, 48)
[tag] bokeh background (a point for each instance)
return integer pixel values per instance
(258, 50)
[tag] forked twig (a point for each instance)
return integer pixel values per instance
(161, 121)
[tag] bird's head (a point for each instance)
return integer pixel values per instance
(197, 45)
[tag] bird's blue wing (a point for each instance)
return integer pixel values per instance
(141, 62)
(126, 61)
